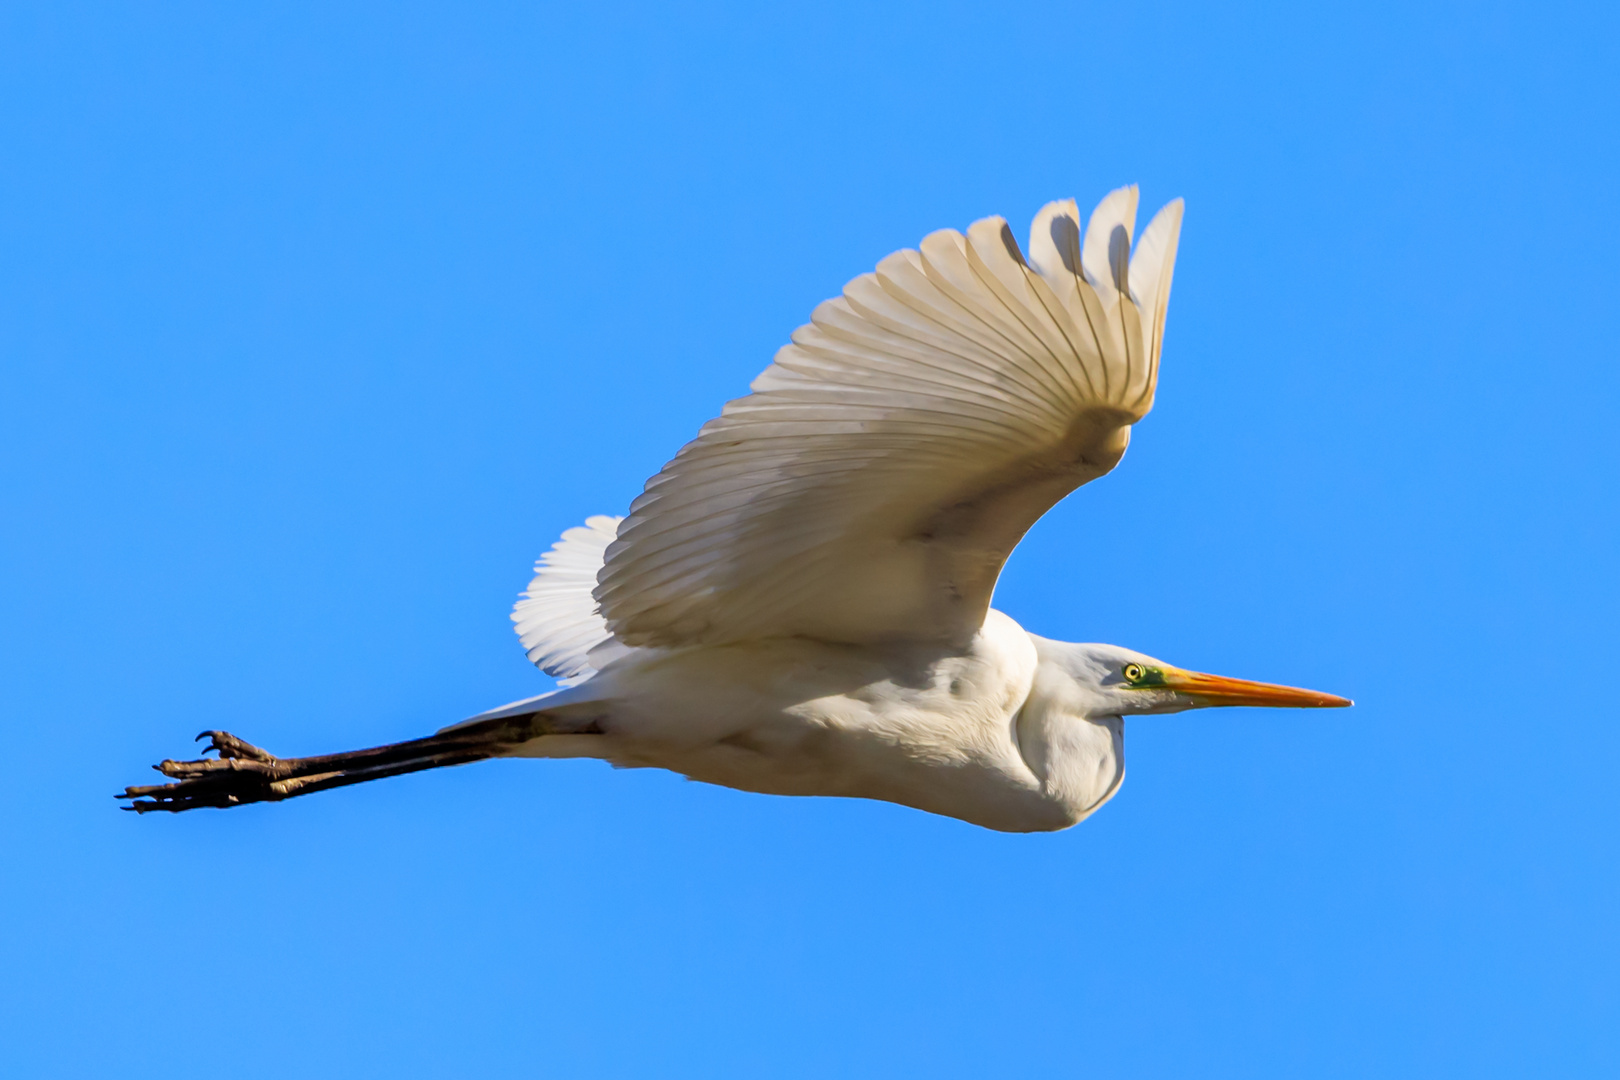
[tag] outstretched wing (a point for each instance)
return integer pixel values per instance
(557, 618)
(875, 481)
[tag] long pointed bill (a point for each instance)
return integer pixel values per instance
(1219, 690)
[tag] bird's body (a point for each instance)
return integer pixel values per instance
(799, 602)
(991, 733)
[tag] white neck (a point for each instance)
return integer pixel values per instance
(1078, 757)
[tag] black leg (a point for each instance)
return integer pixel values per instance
(242, 773)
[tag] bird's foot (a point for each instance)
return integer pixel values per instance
(242, 773)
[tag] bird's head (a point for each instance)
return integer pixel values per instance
(1120, 682)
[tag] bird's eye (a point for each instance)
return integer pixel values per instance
(1133, 672)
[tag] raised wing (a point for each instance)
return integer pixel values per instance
(875, 481)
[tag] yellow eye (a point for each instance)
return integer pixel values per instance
(1133, 672)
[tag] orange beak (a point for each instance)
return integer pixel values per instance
(1219, 690)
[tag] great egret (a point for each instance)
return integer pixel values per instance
(799, 602)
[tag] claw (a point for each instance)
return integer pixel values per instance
(227, 745)
(144, 790)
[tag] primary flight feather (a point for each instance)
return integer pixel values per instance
(799, 602)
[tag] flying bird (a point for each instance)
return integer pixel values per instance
(798, 603)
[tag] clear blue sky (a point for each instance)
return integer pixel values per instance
(317, 326)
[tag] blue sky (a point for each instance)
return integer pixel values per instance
(317, 326)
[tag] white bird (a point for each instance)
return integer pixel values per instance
(799, 602)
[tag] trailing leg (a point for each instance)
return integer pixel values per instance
(243, 773)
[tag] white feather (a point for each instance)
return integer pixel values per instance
(871, 486)
(557, 620)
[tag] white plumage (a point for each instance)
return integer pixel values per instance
(884, 466)
(558, 620)
(799, 602)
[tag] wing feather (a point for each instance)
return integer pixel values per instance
(884, 466)
(557, 619)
